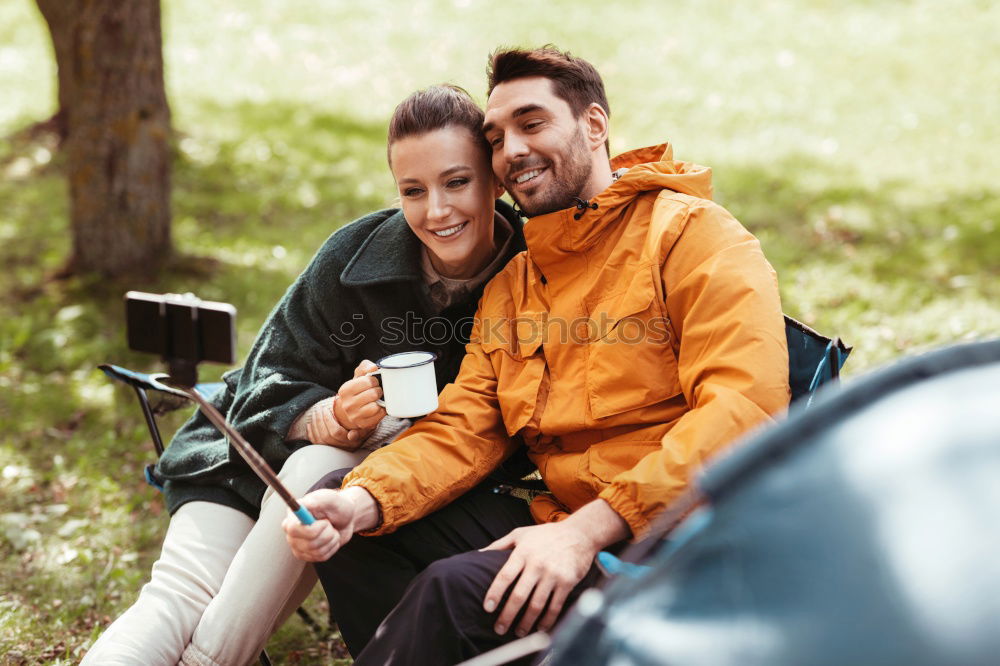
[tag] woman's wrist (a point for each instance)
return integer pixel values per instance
(298, 429)
(322, 426)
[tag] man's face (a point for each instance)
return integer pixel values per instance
(540, 151)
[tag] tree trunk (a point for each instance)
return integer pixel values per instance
(112, 99)
(61, 18)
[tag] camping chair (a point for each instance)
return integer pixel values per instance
(813, 359)
(166, 399)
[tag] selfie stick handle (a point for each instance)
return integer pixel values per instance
(248, 453)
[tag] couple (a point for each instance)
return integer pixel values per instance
(422, 562)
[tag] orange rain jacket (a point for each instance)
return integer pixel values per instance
(627, 345)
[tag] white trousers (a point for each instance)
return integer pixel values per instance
(223, 584)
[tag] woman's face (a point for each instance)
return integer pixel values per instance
(447, 191)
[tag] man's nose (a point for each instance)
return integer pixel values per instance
(514, 147)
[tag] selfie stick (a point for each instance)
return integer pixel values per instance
(247, 452)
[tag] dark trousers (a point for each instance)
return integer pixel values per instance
(416, 596)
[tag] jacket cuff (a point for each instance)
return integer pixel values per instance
(384, 525)
(626, 507)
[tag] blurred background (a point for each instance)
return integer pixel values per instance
(854, 138)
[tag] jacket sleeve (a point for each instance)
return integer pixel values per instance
(723, 304)
(294, 362)
(444, 454)
(291, 366)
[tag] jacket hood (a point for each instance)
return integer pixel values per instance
(654, 168)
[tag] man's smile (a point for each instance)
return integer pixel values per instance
(524, 177)
(527, 179)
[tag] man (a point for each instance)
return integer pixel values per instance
(639, 334)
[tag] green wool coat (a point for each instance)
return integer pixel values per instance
(362, 296)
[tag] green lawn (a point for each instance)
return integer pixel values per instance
(853, 138)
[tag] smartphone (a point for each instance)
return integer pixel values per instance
(181, 328)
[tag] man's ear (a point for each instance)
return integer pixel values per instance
(596, 121)
(498, 188)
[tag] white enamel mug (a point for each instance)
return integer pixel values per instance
(409, 387)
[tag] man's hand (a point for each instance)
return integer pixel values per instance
(548, 561)
(339, 514)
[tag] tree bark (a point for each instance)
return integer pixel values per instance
(112, 99)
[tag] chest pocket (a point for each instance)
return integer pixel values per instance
(631, 363)
(519, 362)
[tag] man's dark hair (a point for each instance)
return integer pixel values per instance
(574, 80)
(436, 108)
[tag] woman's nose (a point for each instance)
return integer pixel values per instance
(437, 206)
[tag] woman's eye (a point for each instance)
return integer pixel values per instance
(458, 182)
(412, 192)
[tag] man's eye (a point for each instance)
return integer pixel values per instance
(533, 125)
(496, 142)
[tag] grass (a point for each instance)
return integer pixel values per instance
(853, 138)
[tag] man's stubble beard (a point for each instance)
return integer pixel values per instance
(560, 194)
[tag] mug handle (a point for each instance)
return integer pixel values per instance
(380, 403)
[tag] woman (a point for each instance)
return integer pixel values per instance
(226, 579)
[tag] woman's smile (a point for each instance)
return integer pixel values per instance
(450, 232)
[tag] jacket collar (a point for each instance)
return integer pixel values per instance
(391, 253)
(563, 236)
(553, 236)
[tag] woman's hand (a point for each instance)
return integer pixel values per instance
(355, 407)
(348, 418)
